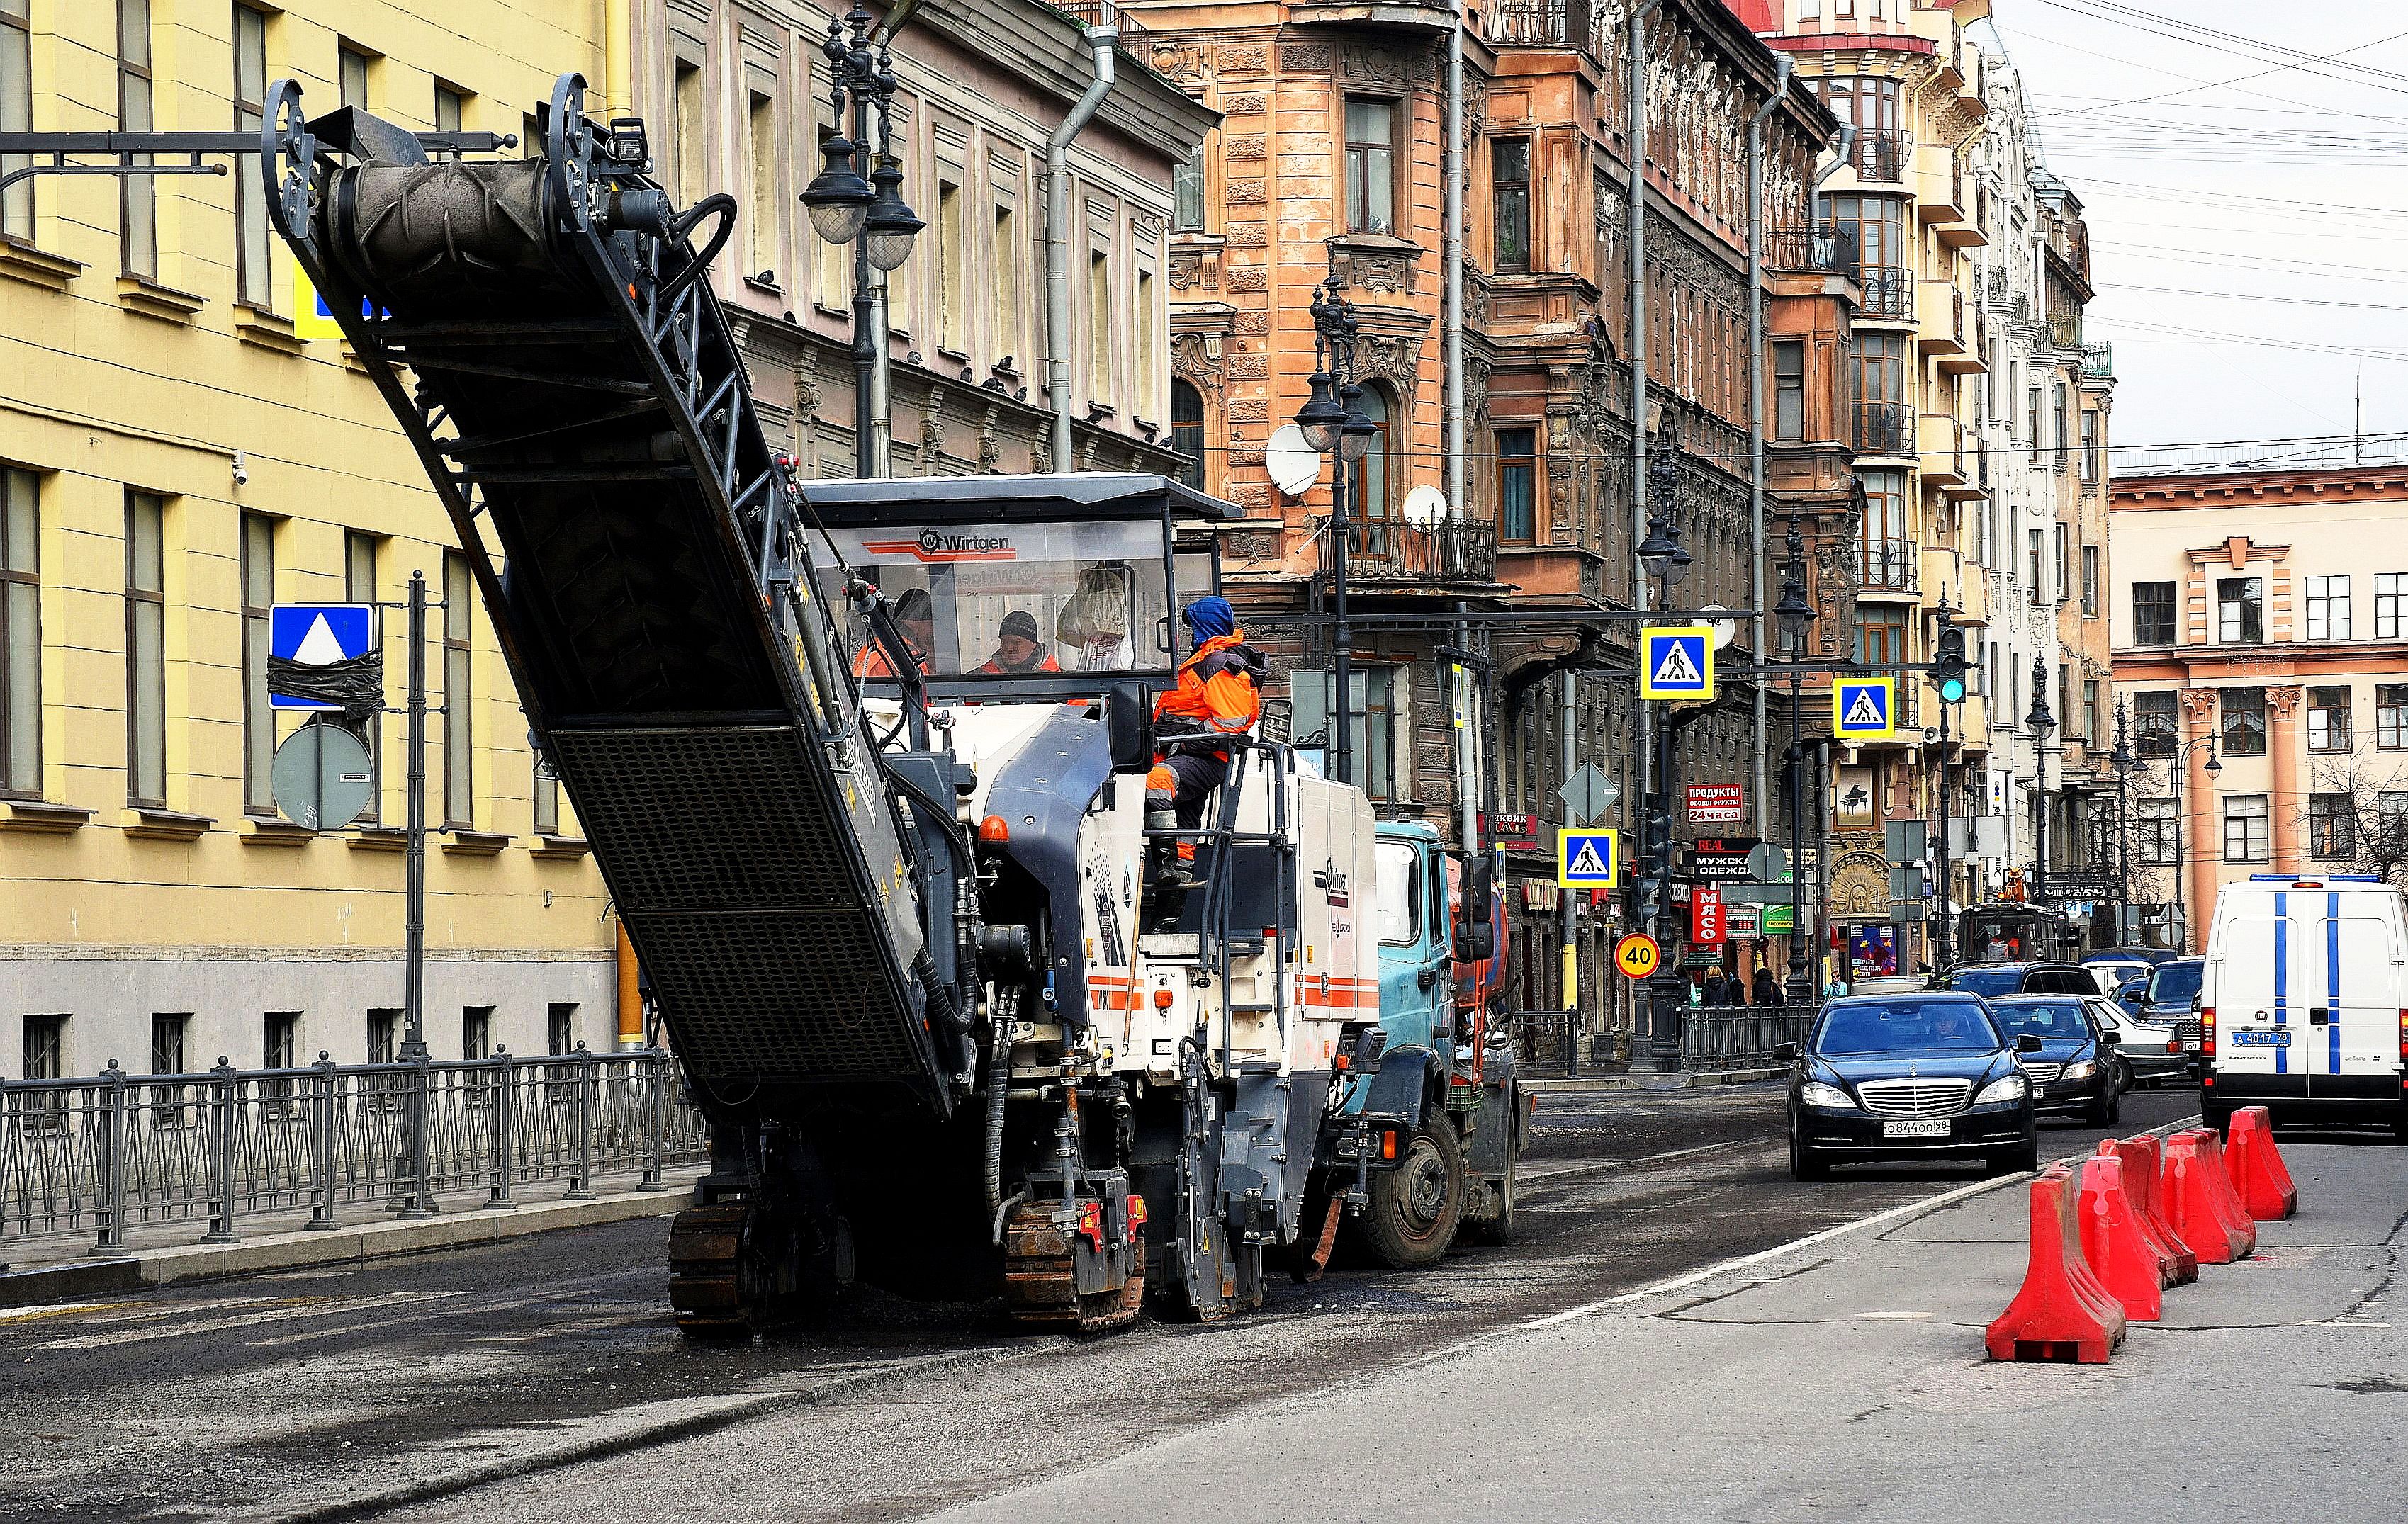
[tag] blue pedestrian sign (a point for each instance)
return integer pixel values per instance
(1586, 859)
(1862, 707)
(1676, 662)
(318, 635)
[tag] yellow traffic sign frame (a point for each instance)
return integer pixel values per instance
(1842, 689)
(1638, 956)
(1649, 661)
(1564, 850)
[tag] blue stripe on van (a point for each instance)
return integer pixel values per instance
(2281, 975)
(2332, 979)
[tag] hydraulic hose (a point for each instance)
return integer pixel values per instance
(998, 1083)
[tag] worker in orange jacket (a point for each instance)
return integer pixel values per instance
(1218, 695)
(916, 616)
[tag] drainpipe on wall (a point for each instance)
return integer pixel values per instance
(1100, 39)
(1846, 156)
(1782, 67)
(1466, 750)
(1634, 144)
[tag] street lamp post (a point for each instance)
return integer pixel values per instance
(1663, 557)
(1796, 614)
(1333, 423)
(2175, 766)
(2040, 722)
(868, 213)
(2125, 764)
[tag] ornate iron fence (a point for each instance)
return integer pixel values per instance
(1399, 550)
(96, 1155)
(1829, 247)
(1718, 1039)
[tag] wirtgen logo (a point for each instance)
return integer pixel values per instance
(933, 545)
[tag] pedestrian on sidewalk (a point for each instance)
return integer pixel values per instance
(1767, 989)
(1716, 988)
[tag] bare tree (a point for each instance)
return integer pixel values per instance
(2356, 814)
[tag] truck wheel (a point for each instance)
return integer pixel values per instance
(1496, 1230)
(1415, 1207)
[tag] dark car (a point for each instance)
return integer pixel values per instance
(1989, 980)
(1912, 1076)
(2172, 999)
(2075, 1069)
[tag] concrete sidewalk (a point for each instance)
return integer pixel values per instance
(1844, 1377)
(63, 1267)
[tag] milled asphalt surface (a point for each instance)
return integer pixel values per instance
(285, 1395)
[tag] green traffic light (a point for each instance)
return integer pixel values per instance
(1952, 690)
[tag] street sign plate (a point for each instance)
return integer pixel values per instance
(1863, 709)
(1637, 955)
(321, 776)
(1717, 803)
(1768, 863)
(318, 635)
(1589, 793)
(1586, 859)
(1513, 833)
(1707, 922)
(1778, 922)
(1676, 662)
(1721, 861)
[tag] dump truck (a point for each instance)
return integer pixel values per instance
(962, 1022)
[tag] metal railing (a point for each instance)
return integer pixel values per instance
(1888, 291)
(1884, 155)
(2066, 333)
(1096, 12)
(1883, 428)
(100, 1154)
(1718, 1039)
(1829, 247)
(1890, 565)
(1398, 550)
(1542, 23)
(2098, 361)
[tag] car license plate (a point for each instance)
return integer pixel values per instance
(1914, 1129)
(2269, 1038)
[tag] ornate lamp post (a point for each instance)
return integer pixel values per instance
(2125, 764)
(2180, 928)
(2041, 723)
(868, 213)
(1796, 614)
(1333, 423)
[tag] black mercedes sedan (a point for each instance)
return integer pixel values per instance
(1924, 1077)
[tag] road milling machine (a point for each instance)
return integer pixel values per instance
(863, 764)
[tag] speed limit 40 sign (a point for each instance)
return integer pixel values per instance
(1637, 955)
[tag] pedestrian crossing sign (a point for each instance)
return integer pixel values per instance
(1586, 859)
(1677, 662)
(1862, 707)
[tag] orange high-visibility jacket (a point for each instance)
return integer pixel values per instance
(1216, 688)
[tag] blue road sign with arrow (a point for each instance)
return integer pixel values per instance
(318, 635)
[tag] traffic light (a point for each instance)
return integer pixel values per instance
(1948, 667)
(1656, 852)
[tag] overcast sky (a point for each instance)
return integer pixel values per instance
(2247, 234)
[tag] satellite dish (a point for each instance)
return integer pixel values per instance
(1726, 630)
(1293, 464)
(1424, 505)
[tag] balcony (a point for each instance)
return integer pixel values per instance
(1968, 349)
(1830, 248)
(2065, 333)
(1096, 12)
(1888, 293)
(1385, 551)
(1943, 334)
(1890, 566)
(1883, 428)
(1883, 157)
(2099, 362)
(1542, 23)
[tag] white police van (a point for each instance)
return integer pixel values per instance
(2303, 1003)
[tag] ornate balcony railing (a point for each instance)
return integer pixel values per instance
(1888, 291)
(1830, 247)
(1395, 551)
(1542, 23)
(2065, 332)
(1884, 155)
(2099, 361)
(1883, 428)
(1890, 565)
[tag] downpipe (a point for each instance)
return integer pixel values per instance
(1101, 38)
(1782, 67)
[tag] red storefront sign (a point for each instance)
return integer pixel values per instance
(1709, 922)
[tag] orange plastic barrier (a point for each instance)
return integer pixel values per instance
(2062, 1312)
(2142, 1162)
(2115, 1242)
(2255, 1166)
(2200, 1203)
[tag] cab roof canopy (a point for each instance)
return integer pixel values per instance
(1076, 494)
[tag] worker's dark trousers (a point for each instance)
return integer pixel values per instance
(1198, 774)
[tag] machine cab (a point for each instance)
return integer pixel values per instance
(1416, 981)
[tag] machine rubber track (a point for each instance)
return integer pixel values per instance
(1040, 1281)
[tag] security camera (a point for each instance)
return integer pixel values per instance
(242, 471)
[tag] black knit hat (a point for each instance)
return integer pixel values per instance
(1022, 624)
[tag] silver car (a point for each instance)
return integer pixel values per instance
(2147, 1052)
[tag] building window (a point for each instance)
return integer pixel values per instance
(258, 554)
(2155, 832)
(1884, 419)
(384, 1036)
(560, 1028)
(1885, 276)
(1880, 637)
(2090, 446)
(1518, 485)
(2241, 610)
(279, 1040)
(2089, 581)
(2090, 711)
(761, 128)
(2245, 837)
(1147, 320)
(2390, 825)
(21, 632)
(952, 298)
(360, 587)
(477, 1031)
(1370, 166)
(146, 651)
(2329, 608)
(2328, 719)
(1187, 431)
(2153, 613)
(351, 74)
(2245, 721)
(1369, 476)
(46, 1045)
(2031, 423)
(2064, 436)
(451, 108)
(167, 1033)
(1187, 193)
(1788, 391)
(545, 798)
(1099, 325)
(458, 697)
(1509, 163)
(2391, 716)
(16, 114)
(2332, 827)
(2064, 582)
(137, 197)
(1372, 729)
(253, 240)
(2390, 592)
(2153, 725)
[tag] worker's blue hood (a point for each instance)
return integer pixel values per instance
(1210, 618)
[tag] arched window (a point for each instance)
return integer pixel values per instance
(1372, 472)
(1187, 431)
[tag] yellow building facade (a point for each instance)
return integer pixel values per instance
(177, 455)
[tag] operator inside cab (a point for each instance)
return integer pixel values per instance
(1219, 695)
(1018, 647)
(915, 615)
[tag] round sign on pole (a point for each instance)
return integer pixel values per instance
(1637, 955)
(321, 776)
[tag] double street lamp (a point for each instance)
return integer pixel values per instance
(2040, 721)
(868, 213)
(1333, 423)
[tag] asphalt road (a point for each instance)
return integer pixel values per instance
(550, 1363)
